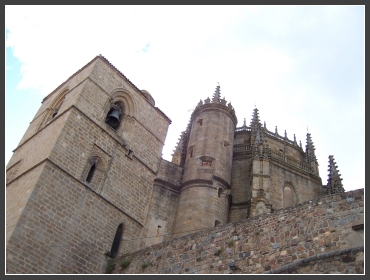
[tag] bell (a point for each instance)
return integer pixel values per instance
(113, 119)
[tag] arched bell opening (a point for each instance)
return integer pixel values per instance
(114, 115)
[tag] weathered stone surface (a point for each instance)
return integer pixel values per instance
(288, 258)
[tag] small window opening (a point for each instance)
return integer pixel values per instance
(158, 229)
(91, 173)
(217, 223)
(200, 121)
(219, 192)
(116, 242)
(206, 163)
(190, 151)
(55, 113)
(57, 109)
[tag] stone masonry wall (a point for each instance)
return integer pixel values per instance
(36, 149)
(300, 183)
(143, 128)
(240, 187)
(123, 179)
(163, 204)
(161, 216)
(240, 177)
(60, 235)
(68, 224)
(73, 85)
(290, 239)
(17, 194)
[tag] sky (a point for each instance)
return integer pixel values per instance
(301, 66)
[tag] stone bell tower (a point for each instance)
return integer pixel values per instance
(207, 160)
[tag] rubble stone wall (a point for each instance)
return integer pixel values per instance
(317, 236)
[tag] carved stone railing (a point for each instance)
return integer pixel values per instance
(301, 165)
(291, 161)
(276, 155)
(243, 128)
(268, 132)
(241, 147)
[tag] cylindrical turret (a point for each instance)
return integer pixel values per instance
(204, 199)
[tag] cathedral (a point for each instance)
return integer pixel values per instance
(88, 182)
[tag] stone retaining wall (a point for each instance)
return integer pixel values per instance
(318, 236)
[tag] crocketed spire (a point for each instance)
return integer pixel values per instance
(255, 122)
(216, 100)
(179, 154)
(216, 95)
(334, 184)
(310, 150)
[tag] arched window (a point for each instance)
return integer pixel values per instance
(58, 107)
(116, 242)
(50, 113)
(91, 173)
(95, 170)
(260, 208)
(288, 197)
(113, 118)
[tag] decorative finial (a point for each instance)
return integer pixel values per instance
(334, 184)
(310, 149)
(244, 123)
(217, 95)
(264, 124)
(223, 101)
